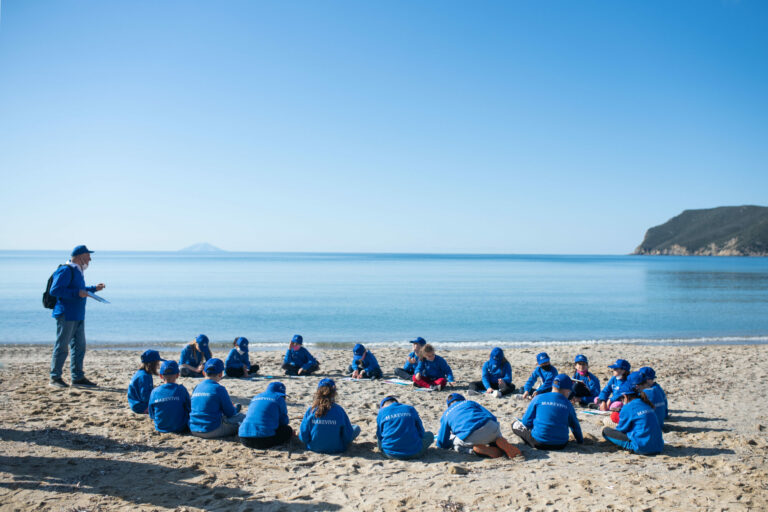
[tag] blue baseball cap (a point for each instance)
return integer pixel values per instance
(242, 344)
(326, 382)
(497, 354)
(359, 350)
(421, 341)
(150, 356)
(214, 366)
(454, 397)
(297, 339)
(650, 374)
(580, 358)
(277, 388)
(562, 381)
(542, 358)
(386, 399)
(80, 249)
(620, 364)
(169, 367)
(627, 388)
(636, 378)
(202, 340)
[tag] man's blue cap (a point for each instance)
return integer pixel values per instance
(150, 356)
(297, 339)
(202, 339)
(277, 388)
(169, 367)
(627, 388)
(80, 249)
(326, 382)
(214, 366)
(497, 354)
(385, 400)
(621, 364)
(542, 358)
(580, 358)
(650, 374)
(563, 381)
(359, 350)
(421, 341)
(242, 343)
(454, 397)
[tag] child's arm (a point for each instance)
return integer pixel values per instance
(530, 382)
(448, 372)
(486, 376)
(444, 434)
(227, 407)
(573, 422)
(305, 431)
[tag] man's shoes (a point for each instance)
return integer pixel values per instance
(84, 383)
(58, 383)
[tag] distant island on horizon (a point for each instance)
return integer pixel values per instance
(721, 231)
(202, 247)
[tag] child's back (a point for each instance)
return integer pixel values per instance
(169, 407)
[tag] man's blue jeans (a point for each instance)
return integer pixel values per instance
(68, 333)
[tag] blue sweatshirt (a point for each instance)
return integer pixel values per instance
(299, 358)
(369, 363)
(436, 369)
(399, 429)
(66, 285)
(169, 407)
(193, 357)
(237, 360)
(210, 401)
(266, 412)
(548, 417)
(659, 400)
(330, 434)
(592, 383)
(639, 423)
(139, 390)
(461, 418)
(612, 389)
(409, 366)
(547, 378)
(493, 371)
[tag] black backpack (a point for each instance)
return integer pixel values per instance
(49, 301)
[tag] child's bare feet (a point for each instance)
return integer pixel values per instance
(487, 451)
(509, 449)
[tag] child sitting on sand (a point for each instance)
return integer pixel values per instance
(169, 403)
(194, 356)
(266, 423)
(432, 371)
(497, 376)
(326, 427)
(468, 427)
(409, 368)
(586, 386)
(544, 371)
(638, 429)
(655, 394)
(611, 390)
(238, 363)
(141, 384)
(399, 431)
(549, 415)
(298, 360)
(364, 364)
(213, 414)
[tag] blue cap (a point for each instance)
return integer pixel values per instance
(497, 354)
(454, 397)
(202, 340)
(627, 388)
(150, 356)
(580, 358)
(359, 350)
(385, 400)
(650, 374)
(277, 388)
(214, 366)
(297, 339)
(562, 381)
(421, 341)
(542, 358)
(636, 378)
(326, 382)
(80, 249)
(242, 344)
(621, 364)
(169, 367)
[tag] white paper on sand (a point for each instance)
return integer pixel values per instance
(99, 299)
(594, 412)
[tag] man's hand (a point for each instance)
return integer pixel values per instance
(100, 287)
(83, 294)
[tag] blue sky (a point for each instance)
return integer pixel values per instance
(512, 127)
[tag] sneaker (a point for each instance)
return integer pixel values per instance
(58, 383)
(472, 392)
(497, 393)
(434, 387)
(84, 383)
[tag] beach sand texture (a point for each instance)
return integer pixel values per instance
(83, 450)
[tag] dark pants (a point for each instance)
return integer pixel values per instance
(240, 372)
(403, 374)
(525, 434)
(580, 389)
(186, 372)
(282, 435)
(618, 438)
(506, 389)
(294, 370)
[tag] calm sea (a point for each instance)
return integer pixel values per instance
(468, 300)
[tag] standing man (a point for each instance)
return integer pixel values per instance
(69, 288)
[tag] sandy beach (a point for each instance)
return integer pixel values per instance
(83, 450)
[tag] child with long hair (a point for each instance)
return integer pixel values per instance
(141, 384)
(326, 427)
(194, 356)
(638, 429)
(409, 368)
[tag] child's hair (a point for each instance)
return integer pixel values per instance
(234, 343)
(150, 368)
(324, 398)
(428, 349)
(645, 399)
(626, 373)
(195, 346)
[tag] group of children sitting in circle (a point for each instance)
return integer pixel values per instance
(637, 403)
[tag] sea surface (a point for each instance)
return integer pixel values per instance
(337, 299)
